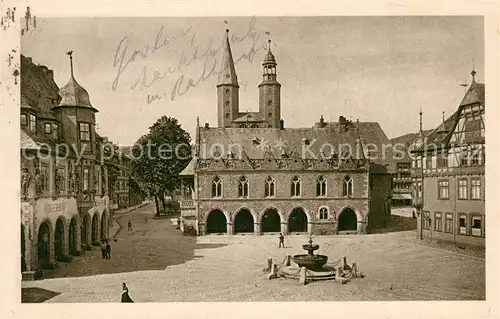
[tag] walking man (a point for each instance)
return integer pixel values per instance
(129, 225)
(103, 250)
(125, 295)
(282, 241)
(108, 250)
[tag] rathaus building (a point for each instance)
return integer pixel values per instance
(251, 174)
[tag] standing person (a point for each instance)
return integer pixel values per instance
(125, 295)
(108, 250)
(178, 223)
(103, 250)
(146, 219)
(129, 225)
(282, 241)
(414, 214)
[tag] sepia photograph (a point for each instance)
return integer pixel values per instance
(250, 158)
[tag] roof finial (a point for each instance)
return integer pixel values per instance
(226, 23)
(473, 73)
(443, 116)
(197, 121)
(70, 53)
(420, 119)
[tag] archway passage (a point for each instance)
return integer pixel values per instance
(348, 220)
(216, 222)
(95, 226)
(297, 222)
(73, 249)
(59, 239)
(243, 222)
(104, 226)
(271, 221)
(85, 229)
(23, 249)
(43, 242)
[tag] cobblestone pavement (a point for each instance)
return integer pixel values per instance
(395, 266)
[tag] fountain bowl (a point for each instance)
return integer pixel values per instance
(310, 247)
(311, 262)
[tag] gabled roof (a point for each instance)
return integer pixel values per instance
(250, 117)
(27, 143)
(189, 169)
(475, 94)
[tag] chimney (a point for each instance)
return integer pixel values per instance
(321, 121)
(342, 120)
(282, 124)
(207, 125)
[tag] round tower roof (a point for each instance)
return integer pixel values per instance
(73, 94)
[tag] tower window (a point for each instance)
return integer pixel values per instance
(295, 187)
(270, 114)
(227, 115)
(84, 131)
(227, 103)
(270, 102)
(227, 91)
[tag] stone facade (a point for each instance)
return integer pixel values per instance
(64, 196)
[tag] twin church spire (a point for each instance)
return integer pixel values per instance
(229, 115)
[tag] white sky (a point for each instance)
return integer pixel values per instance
(373, 68)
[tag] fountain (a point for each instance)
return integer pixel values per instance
(310, 267)
(310, 261)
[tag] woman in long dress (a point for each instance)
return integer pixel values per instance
(125, 295)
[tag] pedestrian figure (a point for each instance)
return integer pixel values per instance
(146, 219)
(282, 241)
(129, 225)
(103, 250)
(108, 250)
(125, 295)
(178, 223)
(413, 213)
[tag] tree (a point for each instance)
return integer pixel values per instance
(159, 156)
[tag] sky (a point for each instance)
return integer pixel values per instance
(376, 69)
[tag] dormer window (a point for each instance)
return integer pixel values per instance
(24, 119)
(32, 123)
(47, 128)
(84, 132)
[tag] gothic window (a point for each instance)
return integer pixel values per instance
(269, 188)
(216, 187)
(243, 125)
(295, 187)
(323, 213)
(321, 186)
(243, 187)
(347, 186)
(254, 126)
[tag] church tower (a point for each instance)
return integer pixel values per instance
(269, 92)
(227, 89)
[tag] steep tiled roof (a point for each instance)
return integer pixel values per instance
(228, 72)
(27, 143)
(475, 94)
(305, 143)
(405, 142)
(189, 169)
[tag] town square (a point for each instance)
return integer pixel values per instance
(244, 159)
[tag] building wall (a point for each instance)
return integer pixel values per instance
(230, 204)
(454, 206)
(380, 203)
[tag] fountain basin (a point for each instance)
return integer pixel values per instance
(311, 262)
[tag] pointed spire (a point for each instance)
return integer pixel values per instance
(70, 53)
(227, 74)
(421, 130)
